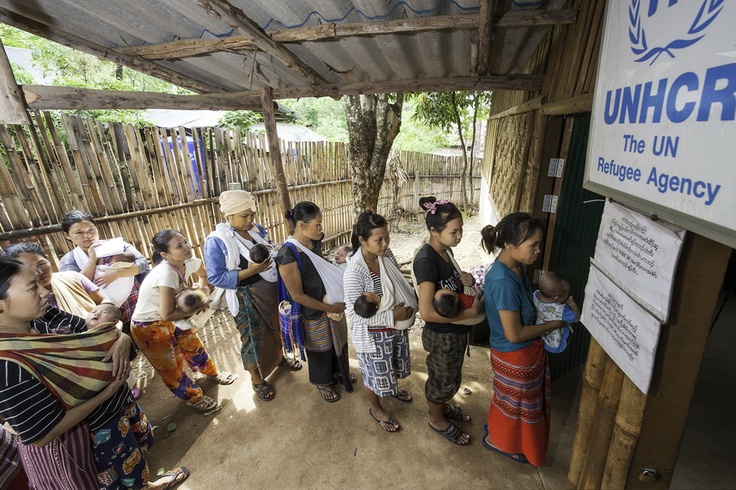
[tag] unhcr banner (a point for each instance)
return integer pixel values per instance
(663, 131)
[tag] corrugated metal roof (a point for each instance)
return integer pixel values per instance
(106, 26)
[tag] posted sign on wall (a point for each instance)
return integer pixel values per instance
(663, 130)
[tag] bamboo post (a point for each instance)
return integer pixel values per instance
(625, 435)
(592, 381)
(602, 429)
(273, 146)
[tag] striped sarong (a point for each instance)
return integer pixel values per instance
(324, 334)
(519, 416)
(69, 365)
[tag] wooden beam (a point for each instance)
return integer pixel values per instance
(485, 20)
(580, 103)
(105, 53)
(236, 18)
(42, 97)
(529, 105)
(12, 108)
(185, 48)
(274, 149)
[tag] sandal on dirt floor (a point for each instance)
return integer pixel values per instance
(451, 433)
(453, 412)
(387, 425)
(519, 458)
(173, 478)
(403, 395)
(291, 364)
(206, 405)
(328, 393)
(224, 378)
(264, 391)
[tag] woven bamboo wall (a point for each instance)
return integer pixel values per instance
(135, 183)
(568, 57)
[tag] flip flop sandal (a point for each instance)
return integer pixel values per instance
(264, 391)
(519, 458)
(328, 393)
(456, 413)
(451, 433)
(177, 476)
(351, 377)
(206, 405)
(291, 364)
(403, 395)
(387, 425)
(224, 378)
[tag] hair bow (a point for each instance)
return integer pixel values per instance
(432, 206)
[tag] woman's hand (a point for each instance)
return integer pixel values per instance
(258, 268)
(120, 355)
(467, 279)
(105, 278)
(335, 308)
(402, 312)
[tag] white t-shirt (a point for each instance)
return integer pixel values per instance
(146, 310)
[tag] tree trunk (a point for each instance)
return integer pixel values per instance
(373, 124)
(464, 173)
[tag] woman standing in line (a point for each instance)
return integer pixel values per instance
(381, 341)
(250, 288)
(443, 339)
(518, 418)
(326, 338)
(168, 345)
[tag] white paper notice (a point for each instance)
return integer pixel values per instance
(627, 333)
(640, 254)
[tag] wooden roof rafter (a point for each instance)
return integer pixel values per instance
(185, 48)
(236, 19)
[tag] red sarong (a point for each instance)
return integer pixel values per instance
(519, 416)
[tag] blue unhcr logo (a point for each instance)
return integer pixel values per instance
(688, 34)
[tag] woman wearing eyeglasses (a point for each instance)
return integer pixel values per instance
(79, 228)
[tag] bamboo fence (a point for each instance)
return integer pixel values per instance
(136, 181)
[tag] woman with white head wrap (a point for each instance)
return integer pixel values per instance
(249, 288)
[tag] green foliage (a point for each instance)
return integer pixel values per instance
(437, 109)
(325, 116)
(241, 120)
(416, 136)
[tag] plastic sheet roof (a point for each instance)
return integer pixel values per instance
(111, 28)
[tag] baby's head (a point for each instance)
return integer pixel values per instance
(190, 300)
(102, 314)
(366, 305)
(446, 302)
(259, 253)
(123, 257)
(341, 256)
(554, 287)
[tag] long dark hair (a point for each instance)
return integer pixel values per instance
(160, 243)
(438, 213)
(515, 229)
(364, 226)
(304, 211)
(9, 268)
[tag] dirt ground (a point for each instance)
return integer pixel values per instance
(299, 441)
